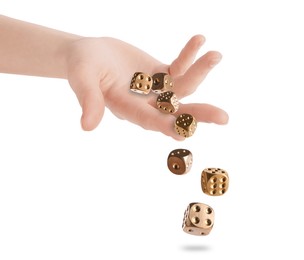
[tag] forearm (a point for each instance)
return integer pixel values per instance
(30, 49)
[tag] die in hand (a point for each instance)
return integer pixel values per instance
(141, 83)
(167, 102)
(161, 82)
(185, 125)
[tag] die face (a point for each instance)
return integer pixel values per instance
(167, 102)
(198, 219)
(214, 181)
(141, 83)
(162, 82)
(185, 125)
(179, 161)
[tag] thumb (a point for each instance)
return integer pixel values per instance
(90, 97)
(92, 104)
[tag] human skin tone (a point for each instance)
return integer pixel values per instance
(99, 71)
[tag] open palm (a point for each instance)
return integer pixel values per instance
(100, 71)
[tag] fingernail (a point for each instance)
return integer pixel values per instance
(178, 138)
(201, 42)
(224, 118)
(215, 61)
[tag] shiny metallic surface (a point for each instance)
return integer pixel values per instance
(185, 125)
(167, 102)
(214, 181)
(198, 219)
(180, 161)
(161, 82)
(141, 83)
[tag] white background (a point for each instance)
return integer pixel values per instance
(107, 194)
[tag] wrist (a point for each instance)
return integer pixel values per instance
(63, 55)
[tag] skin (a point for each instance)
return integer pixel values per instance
(99, 71)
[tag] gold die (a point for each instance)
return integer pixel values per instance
(198, 219)
(167, 102)
(162, 82)
(179, 161)
(185, 125)
(141, 83)
(215, 181)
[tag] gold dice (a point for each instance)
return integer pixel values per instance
(198, 219)
(167, 102)
(214, 181)
(179, 161)
(162, 82)
(185, 125)
(141, 83)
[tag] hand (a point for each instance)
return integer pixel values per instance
(99, 71)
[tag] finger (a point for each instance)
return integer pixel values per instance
(205, 113)
(188, 83)
(186, 56)
(149, 118)
(93, 107)
(86, 87)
